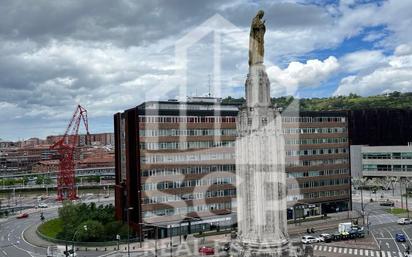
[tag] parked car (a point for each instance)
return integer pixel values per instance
(309, 240)
(23, 215)
(327, 238)
(400, 237)
(387, 203)
(404, 221)
(206, 250)
(42, 205)
(356, 233)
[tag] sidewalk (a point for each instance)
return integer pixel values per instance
(332, 222)
(324, 224)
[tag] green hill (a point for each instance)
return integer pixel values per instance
(351, 102)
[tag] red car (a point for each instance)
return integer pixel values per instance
(22, 215)
(205, 250)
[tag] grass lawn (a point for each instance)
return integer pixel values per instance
(398, 212)
(51, 228)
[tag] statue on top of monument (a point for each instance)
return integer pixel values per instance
(256, 40)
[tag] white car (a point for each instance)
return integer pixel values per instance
(404, 221)
(43, 205)
(309, 240)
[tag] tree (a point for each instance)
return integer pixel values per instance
(94, 232)
(69, 215)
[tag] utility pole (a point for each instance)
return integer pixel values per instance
(171, 241)
(128, 230)
(157, 237)
(400, 189)
(406, 191)
(362, 205)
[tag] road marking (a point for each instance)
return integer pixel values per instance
(355, 251)
(409, 238)
(393, 240)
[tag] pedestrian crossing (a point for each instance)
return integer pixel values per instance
(360, 252)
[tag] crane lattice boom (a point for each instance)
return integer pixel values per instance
(66, 146)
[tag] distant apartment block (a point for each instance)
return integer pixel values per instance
(102, 139)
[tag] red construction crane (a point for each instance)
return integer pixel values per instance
(66, 145)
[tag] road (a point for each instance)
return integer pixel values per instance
(11, 239)
(383, 228)
(12, 243)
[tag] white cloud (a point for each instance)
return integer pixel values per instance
(403, 49)
(362, 60)
(396, 75)
(297, 74)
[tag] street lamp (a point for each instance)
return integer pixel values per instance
(171, 241)
(128, 230)
(74, 237)
(406, 197)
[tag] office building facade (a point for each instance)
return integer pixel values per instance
(383, 161)
(175, 164)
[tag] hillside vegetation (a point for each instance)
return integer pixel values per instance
(351, 102)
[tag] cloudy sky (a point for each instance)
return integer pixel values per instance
(111, 55)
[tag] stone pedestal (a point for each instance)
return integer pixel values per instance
(260, 170)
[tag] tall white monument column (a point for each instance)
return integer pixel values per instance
(260, 162)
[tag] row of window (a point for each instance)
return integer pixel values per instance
(185, 145)
(188, 209)
(186, 158)
(299, 163)
(192, 196)
(187, 119)
(313, 141)
(325, 194)
(308, 152)
(316, 173)
(406, 155)
(187, 183)
(386, 167)
(186, 132)
(230, 132)
(314, 130)
(319, 183)
(229, 119)
(314, 119)
(189, 170)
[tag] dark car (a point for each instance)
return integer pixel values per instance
(327, 238)
(400, 237)
(387, 203)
